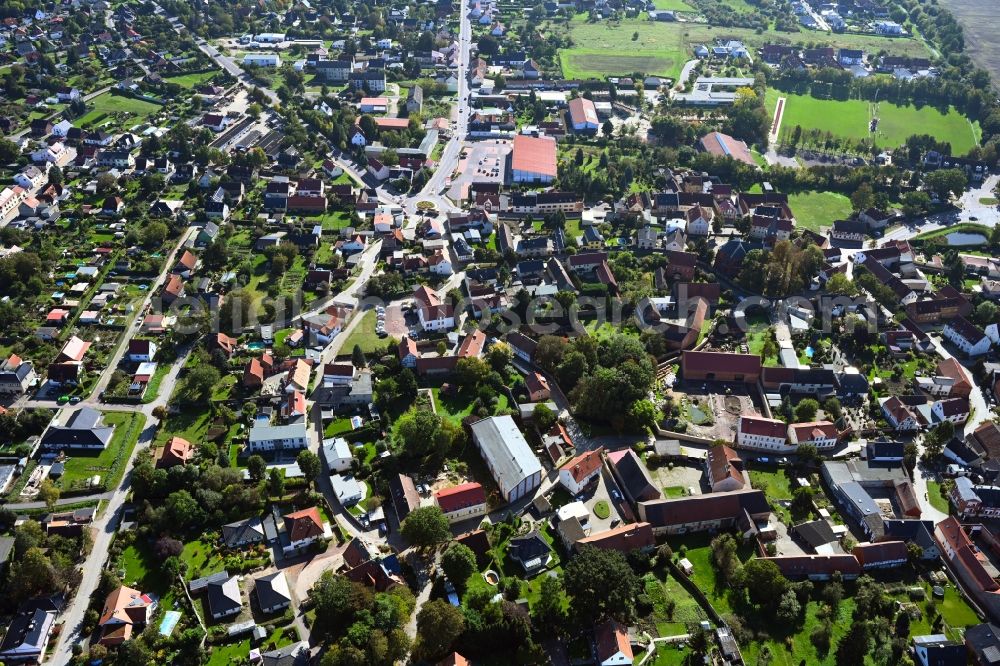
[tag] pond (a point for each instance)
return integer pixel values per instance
(957, 238)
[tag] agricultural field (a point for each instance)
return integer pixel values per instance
(979, 25)
(607, 49)
(816, 210)
(849, 119)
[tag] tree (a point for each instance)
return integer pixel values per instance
(438, 625)
(8, 151)
(544, 417)
(841, 285)
(458, 562)
(807, 454)
(789, 608)
(548, 614)
(499, 355)
(256, 467)
(358, 359)
(336, 600)
(471, 372)
(601, 584)
(423, 433)
(764, 582)
(853, 646)
(154, 234)
(986, 313)
(48, 493)
(806, 410)
(198, 384)
(608, 128)
(863, 197)
(426, 526)
(276, 483)
(915, 203)
(310, 464)
(946, 182)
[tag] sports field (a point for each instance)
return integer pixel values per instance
(849, 119)
(603, 48)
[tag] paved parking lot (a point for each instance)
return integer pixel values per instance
(486, 162)
(395, 321)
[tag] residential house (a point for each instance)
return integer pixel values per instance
(277, 438)
(304, 527)
(462, 502)
(272, 592)
(224, 597)
(177, 451)
(613, 645)
(243, 533)
(633, 476)
(581, 471)
(16, 376)
(763, 434)
(84, 429)
(968, 337)
(724, 469)
(821, 434)
(125, 610)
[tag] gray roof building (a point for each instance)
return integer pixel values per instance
(224, 597)
(511, 461)
(272, 592)
(85, 429)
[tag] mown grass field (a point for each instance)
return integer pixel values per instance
(104, 106)
(607, 49)
(816, 210)
(193, 79)
(849, 119)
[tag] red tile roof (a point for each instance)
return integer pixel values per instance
(304, 524)
(758, 425)
(460, 497)
(805, 432)
(583, 465)
(624, 538)
(611, 638)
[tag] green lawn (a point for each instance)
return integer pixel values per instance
(935, 498)
(193, 79)
(153, 388)
(457, 407)
(338, 427)
(201, 559)
(109, 464)
(699, 553)
(816, 210)
(365, 336)
(104, 106)
(238, 653)
(849, 119)
(604, 49)
(776, 486)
